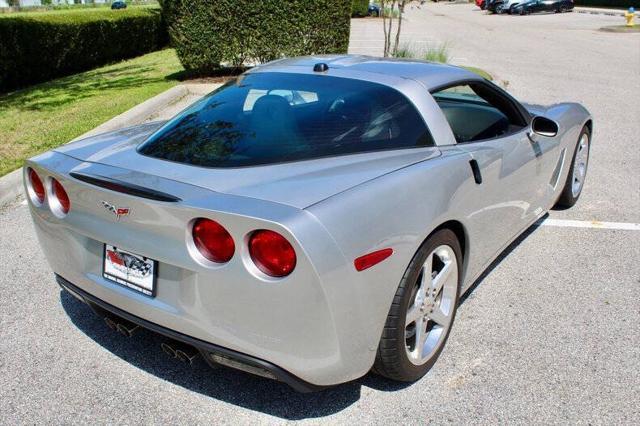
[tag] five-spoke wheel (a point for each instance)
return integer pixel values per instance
(423, 310)
(429, 316)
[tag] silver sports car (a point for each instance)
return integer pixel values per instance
(312, 220)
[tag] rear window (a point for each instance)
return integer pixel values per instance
(266, 118)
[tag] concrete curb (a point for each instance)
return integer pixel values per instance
(11, 184)
(10, 187)
(140, 112)
(595, 11)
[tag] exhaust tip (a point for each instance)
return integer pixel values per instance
(167, 349)
(180, 351)
(187, 357)
(111, 323)
(127, 329)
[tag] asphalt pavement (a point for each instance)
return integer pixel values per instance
(549, 335)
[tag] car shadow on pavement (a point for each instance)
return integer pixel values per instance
(233, 386)
(506, 252)
(225, 384)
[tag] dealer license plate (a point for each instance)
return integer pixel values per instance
(130, 270)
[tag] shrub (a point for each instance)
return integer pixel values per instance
(36, 47)
(211, 33)
(359, 8)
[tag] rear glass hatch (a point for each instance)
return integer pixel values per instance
(269, 117)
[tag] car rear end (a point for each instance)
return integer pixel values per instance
(258, 306)
(200, 228)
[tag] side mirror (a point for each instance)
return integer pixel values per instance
(544, 127)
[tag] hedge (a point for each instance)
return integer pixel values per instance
(359, 8)
(608, 3)
(208, 34)
(36, 47)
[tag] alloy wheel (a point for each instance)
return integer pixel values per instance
(580, 165)
(432, 305)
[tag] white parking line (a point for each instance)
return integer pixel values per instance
(564, 223)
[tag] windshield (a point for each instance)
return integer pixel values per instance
(267, 117)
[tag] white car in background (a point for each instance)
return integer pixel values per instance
(507, 5)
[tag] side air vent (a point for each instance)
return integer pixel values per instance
(557, 171)
(125, 187)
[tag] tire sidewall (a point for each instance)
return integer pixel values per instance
(566, 197)
(441, 237)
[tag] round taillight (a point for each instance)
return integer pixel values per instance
(272, 253)
(61, 195)
(36, 186)
(213, 241)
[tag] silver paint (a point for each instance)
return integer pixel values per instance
(323, 322)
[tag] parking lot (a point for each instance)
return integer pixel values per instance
(549, 335)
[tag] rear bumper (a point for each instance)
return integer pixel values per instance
(205, 348)
(322, 323)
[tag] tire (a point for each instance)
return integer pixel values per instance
(569, 195)
(395, 358)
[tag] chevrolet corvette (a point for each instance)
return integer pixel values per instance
(313, 219)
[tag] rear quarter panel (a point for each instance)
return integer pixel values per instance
(398, 210)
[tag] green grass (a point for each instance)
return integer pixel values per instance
(404, 52)
(438, 53)
(391, 13)
(73, 8)
(479, 71)
(621, 29)
(89, 13)
(47, 115)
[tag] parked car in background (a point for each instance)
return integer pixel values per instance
(118, 4)
(502, 6)
(532, 6)
(374, 10)
(508, 5)
(482, 4)
(494, 6)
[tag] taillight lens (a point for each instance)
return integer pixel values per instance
(61, 196)
(272, 253)
(36, 185)
(213, 241)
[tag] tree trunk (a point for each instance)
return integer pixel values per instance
(384, 26)
(387, 42)
(400, 13)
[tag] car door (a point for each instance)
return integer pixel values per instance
(494, 130)
(546, 5)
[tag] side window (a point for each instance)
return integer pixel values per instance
(476, 112)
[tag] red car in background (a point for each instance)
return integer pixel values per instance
(481, 4)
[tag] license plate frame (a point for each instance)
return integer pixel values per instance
(130, 270)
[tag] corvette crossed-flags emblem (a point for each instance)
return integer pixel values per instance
(117, 211)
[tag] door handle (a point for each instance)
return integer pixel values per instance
(475, 168)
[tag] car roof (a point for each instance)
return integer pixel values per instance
(430, 74)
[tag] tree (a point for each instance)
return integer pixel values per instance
(392, 10)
